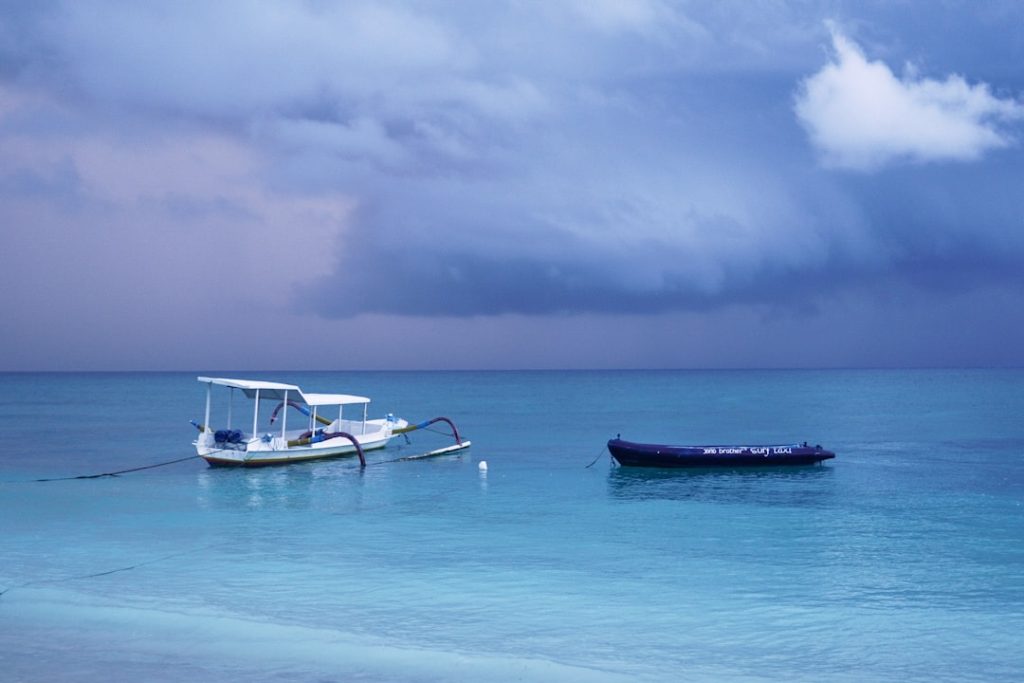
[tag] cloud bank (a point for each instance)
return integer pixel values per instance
(312, 166)
(862, 116)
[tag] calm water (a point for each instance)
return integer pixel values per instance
(903, 559)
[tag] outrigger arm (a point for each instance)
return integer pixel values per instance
(422, 425)
(313, 437)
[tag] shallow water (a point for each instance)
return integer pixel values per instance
(901, 559)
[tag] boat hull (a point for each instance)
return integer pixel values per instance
(264, 458)
(249, 457)
(630, 454)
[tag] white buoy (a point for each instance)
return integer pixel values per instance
(483, 465)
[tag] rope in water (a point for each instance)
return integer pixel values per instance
(153, 561)
(109, 571)
(599, 454)
(114, 474)
(164, 464)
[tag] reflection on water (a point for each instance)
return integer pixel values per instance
(802, 486)
(330, 486)
(294, 486)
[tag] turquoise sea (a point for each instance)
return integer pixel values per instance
(900, 560)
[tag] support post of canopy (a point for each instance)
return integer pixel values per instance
(284, 415)
(365, 408)
(256, 414)
(231, 404)
(206, 420)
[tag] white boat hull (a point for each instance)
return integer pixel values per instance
(230, 457)
(274, 450)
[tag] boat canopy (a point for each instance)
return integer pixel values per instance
(275, 391)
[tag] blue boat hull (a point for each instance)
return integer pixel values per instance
(631, 454)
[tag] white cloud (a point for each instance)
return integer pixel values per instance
(861, 116)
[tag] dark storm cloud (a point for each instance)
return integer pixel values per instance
(674, 190)
(420, 159)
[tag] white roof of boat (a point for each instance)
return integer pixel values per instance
(276, 390)
(333, 399)
(248, 383)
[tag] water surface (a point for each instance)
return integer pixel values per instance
(901, 559)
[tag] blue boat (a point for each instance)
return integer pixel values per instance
(630, 454)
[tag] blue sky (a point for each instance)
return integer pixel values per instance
(513, 184)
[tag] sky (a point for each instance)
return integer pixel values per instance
(511, 184)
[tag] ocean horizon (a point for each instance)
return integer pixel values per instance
(899, 559)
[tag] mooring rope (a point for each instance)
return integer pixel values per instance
(155, 560)
(94, 575)
(114, 474)
(172, 462)
(599, 454)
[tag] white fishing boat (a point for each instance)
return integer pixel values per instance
(323, 430)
